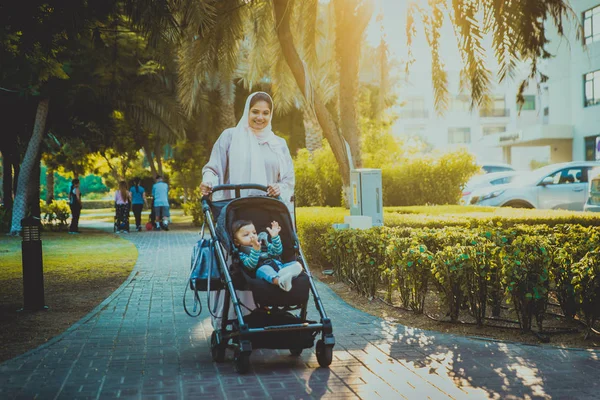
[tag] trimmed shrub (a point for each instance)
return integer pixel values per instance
(586, 284)
(55, 214)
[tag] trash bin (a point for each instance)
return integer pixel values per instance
(33, 269)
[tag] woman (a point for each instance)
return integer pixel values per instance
(252, 153)
(138, 200)
(75, 205)
(122, 204)
(249, 153)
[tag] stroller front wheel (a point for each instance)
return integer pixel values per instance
(296, 352)
(324, 354)
(217, 350)
(241, 362)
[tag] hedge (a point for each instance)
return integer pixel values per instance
(512, 255)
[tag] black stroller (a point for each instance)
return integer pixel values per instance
(271, 325)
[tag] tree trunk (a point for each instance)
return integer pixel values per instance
(7, 183)
(350, 28)
(312, 131)
(159, 163)
(33, 189)
(326, 120)
(150, 159)
(226, 115)
(28, 167)
(49, 185)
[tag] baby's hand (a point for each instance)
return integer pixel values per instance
(274, 229)
(255, 243)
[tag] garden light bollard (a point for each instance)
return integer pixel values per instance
(33, 268)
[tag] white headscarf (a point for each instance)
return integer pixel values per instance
(246, 163)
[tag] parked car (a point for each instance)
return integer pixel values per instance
(486, 180)
(490, 168)
(558, 186)
(592, 202)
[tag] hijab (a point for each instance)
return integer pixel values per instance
(246, 162)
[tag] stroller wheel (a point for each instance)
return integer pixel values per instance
(295, 352)
(217, 350)
(324, 354)
(241, 362)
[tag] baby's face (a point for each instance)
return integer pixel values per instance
(244, 236)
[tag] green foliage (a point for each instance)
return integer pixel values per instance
(474, 268)
(412, 261)
(586, 284)
(5, 219)
(193, 207)
(97, 204)
(358, 258)
(526, 276)
(318, 181)
(55, 214)
(427, 179)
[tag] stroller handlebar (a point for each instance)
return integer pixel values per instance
(237, 188)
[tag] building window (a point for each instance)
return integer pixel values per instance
(590, 148)
(528, 103)
(459, 135)
(415, 130)
(591, 25)
(490, 130)
(414, 108)
(462, 102)
(592, 88)
(497, 108)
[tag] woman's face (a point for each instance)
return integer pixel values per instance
(259, 116)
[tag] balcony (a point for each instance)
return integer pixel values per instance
(414, 114)
(495, 112)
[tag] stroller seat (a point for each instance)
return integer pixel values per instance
(268, 295)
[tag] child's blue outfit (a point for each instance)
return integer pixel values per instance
(267, 262)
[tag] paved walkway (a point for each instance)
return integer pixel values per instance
(141, 345)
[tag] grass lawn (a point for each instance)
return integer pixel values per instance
(80, 271)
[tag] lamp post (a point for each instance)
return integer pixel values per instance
(33, 269)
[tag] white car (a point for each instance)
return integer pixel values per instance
(558, 186)
(485, 180)
(490, 168)
(592, 202)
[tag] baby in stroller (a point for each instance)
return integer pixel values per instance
(261, 256)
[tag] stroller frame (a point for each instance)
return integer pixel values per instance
(240, 333)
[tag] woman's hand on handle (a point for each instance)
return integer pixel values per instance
(206, 188)
(273, 190)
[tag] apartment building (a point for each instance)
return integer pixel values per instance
(560, 120)
(570, 100)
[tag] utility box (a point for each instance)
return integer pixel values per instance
(367, 197)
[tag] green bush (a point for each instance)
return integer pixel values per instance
(428, 180)
(5, 219)
(512, 258)
(586, 283)
(193, 207)
(525, 270)
(55, 214)
(96, 204)
(318, 180)
(412, 261)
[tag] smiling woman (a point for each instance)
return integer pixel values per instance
(80, 271)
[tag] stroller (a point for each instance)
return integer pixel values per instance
(271, 325)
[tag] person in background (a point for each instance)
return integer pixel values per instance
(75, 205)
(138, 201)
(160, 194)
(122, 205)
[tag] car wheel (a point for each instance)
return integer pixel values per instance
(518, 204)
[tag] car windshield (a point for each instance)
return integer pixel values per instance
(534, 177)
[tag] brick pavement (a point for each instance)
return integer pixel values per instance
(141, 345)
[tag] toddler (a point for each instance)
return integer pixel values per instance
(264, 260)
